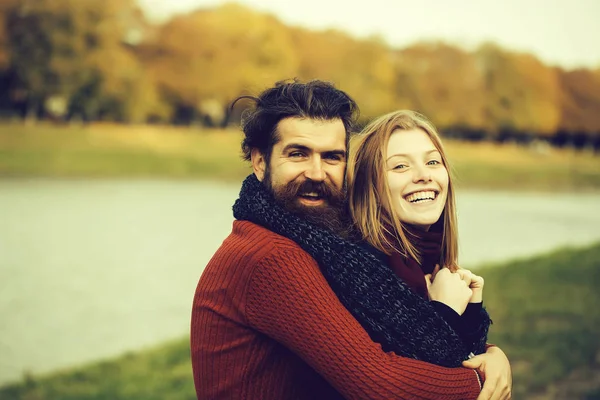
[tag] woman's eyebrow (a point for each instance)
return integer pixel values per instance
(408, 155)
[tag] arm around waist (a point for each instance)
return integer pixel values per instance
(289, 300)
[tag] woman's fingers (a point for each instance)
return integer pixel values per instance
(477, 281)
(450, 289)
(465, 275)
(472, 280)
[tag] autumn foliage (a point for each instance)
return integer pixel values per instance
(101, 60)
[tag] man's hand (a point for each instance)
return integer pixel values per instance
(495, 369)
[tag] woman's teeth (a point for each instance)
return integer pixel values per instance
(417, 197)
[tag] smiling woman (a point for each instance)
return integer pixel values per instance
(417, 178)
(402, 202)
(398, 161)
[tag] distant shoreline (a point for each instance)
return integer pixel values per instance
(162, 152)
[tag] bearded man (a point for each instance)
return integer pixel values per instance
(276, 314)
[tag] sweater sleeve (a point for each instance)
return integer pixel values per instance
(474, 323)
(470, 326)
(289, 300)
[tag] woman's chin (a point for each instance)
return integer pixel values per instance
(421, 223)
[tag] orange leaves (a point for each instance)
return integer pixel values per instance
(104, 57)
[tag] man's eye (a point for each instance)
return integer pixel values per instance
(296, 154)
(334, 157)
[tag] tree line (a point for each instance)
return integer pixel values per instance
(102, 60)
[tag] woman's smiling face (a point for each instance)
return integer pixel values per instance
(417, 178)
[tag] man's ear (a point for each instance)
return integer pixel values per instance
(259, 164)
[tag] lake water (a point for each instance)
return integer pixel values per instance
(90, 269)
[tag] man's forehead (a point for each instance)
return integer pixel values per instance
(312, 133)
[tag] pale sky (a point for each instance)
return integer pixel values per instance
(559, 32)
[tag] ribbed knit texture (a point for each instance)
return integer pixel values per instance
(267, 325)
(392, 314)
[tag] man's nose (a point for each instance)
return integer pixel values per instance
(315, 170)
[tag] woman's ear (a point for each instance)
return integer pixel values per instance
(259, 164)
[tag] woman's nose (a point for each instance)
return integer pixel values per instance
(422, 174)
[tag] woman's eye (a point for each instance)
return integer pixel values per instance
(433, 162)
(400, 166)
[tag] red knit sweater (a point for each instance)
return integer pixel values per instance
(266, 325)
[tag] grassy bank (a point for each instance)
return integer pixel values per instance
(169, 152)
(545, 318)
(120, 151)
(162, 373)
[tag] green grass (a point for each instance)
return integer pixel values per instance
(163, 373)
(546, 318)
(171, 152)
(120, 151)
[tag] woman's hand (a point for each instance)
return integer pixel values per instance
(475, 283)
(449, 288)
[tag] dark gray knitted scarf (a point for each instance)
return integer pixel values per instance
(393, 315)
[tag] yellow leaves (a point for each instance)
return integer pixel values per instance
(221, 53)
(104, 53)
(363, 69)
(522, 94)
(580, 100)
(442, 82)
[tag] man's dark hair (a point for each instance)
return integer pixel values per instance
(315, 99)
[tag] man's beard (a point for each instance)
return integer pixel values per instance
(331, 215)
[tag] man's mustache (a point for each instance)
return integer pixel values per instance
(310, 186)
(324, 190)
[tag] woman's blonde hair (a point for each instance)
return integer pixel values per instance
(370, 196)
